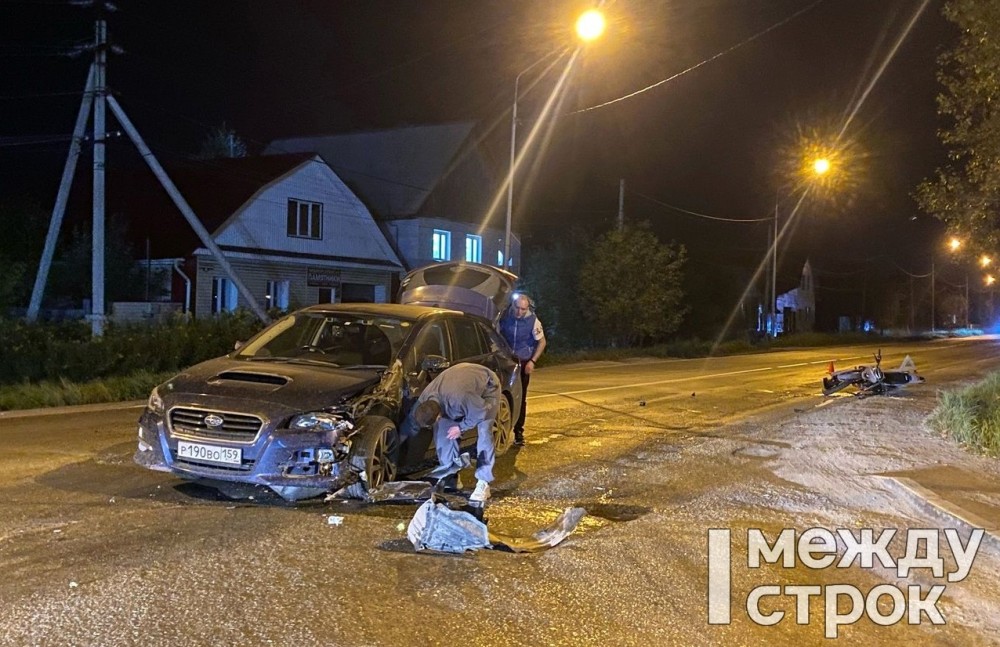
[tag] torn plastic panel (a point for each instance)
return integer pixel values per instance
(436, 527)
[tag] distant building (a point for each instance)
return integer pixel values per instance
(429, 187)
(796, 308)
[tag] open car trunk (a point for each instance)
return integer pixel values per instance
(470, 287)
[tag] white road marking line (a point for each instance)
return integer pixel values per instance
(638, 384)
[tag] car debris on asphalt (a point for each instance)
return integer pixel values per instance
(437, 528)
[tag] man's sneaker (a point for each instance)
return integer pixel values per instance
(481, 493)
(518, 437)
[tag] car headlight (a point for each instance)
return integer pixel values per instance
(321, 421)
(155, 402)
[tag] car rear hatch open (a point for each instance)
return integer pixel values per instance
(470, 287)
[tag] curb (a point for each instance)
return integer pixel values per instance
(79, 408)
(943, 508)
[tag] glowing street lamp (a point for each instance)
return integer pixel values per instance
(819, 167)
(954, 244)
(985, 260)
(989, 279)
(589, 26)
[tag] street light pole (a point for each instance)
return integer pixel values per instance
(510, 172)
(773, 309)
(589, 26)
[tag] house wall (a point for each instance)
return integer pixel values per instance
(351, 250)
(348, 228)
(414, 239)
(256, 273)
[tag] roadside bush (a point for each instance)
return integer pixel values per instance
(53, 352)
(971, 415)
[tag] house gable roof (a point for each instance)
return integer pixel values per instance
(397, 171)
(214, 189)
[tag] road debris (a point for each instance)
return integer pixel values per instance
(437, 528)
(335, 520)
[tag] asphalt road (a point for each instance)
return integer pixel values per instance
(97, 551)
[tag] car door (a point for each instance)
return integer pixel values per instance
(433, 338)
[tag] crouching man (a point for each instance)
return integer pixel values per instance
(462, 397)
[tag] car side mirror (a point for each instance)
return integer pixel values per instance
(434, 363)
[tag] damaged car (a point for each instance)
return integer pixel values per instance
(315, 402)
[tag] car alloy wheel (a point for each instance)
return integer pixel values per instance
(503, 427)
(374, 451)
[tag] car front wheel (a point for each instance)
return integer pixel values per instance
(374, 452)
(503, 428)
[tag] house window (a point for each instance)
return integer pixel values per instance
(305, 219)
(473, 248)
(277, 295)
(223, 295)
(327, 295)
(441, 249)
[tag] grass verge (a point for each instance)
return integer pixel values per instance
(135, 386)
(971, 415)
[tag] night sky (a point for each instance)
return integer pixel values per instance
(715, 141)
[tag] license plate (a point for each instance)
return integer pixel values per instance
(209, 453)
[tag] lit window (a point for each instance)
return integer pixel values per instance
(499, 258)
(473, 248)
(277, 295)
(223, 295)
(441, 250)
(305, 219)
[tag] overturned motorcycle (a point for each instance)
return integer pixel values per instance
(872, 380)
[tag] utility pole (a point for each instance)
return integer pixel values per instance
(910, 327)
(967, 300)
(55, 223)
(772, 308)
(932, 296)
(96, 95)
(621, 204)
(100, 135)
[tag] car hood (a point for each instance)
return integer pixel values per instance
(283, 387)
(470, 287)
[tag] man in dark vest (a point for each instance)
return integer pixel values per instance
(523, 331)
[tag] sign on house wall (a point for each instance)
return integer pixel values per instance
(322, 278)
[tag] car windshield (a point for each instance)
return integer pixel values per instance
(345, 340)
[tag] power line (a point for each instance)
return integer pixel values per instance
(704, 62)
(699, 215)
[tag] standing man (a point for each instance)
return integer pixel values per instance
(463, 396)
(523, 331)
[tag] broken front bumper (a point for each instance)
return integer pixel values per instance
(279, 459)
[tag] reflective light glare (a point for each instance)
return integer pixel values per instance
(821, 166)
(954, 244)
(590, 25)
